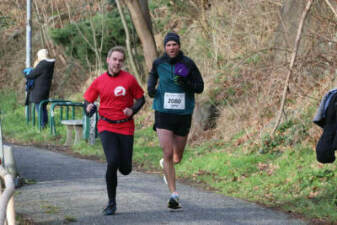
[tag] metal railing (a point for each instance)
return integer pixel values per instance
(31, 111)
(89, 124)
(61, 104)
(51, 101)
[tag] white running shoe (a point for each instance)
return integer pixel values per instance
(161, 163)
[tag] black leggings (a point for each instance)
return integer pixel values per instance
(118, 152)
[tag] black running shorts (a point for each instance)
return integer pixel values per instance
(179, 124)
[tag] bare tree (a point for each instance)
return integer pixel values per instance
(95, 45)
(332, 7)
(139, 19)
(285, 34)
(292, 60)
(128, 44)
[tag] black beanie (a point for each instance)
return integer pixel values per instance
(171, 36)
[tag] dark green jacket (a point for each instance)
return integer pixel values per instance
(170, 96)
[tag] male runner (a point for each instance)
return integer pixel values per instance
(179, 78)
(121, 98)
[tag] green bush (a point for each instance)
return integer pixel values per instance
(78, 38)
(5, 21)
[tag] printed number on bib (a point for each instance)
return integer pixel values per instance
(174, 101)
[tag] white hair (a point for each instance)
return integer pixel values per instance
(42, 54)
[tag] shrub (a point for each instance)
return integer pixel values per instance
(79, 40)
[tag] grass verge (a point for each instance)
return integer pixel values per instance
(281, 173)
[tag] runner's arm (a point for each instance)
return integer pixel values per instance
(89, 108)
(138, 105)
(152, 81)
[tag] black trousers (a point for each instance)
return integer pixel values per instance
(44, 115)
(118, 150)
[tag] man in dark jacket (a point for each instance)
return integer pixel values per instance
(42, 74)
(179, 80)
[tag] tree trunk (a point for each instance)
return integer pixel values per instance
(143, 31)
(146, 13)
(128, 45)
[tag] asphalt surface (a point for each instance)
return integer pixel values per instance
(69, 190)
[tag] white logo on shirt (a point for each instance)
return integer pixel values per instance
(119, 91)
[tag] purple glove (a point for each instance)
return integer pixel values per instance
(181, 70)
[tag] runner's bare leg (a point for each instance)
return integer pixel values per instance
(166, 138)
(179, 144)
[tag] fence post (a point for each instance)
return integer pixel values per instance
(27, 112)
(10, 211)
(9, 161)
(92, 129)
(51, 120)
(1, 146)
(33, 114)
(86, 127)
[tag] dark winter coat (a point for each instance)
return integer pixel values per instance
(167, 70)
(42, 75)
(327, 144)
(320, 115)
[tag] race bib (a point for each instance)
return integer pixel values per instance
(174, 101)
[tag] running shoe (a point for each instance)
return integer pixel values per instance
(110, 210)
(173, 202)
(161, 163)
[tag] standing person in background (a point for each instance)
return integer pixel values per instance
(42, 75)
(121, 97)
(179, 79)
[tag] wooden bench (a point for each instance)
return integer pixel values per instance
(73, 125)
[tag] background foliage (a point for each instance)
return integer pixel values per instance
(242, 49)
(77, 38)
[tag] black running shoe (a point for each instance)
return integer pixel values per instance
(173, 202)
(110, 210)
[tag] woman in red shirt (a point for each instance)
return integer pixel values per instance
(121, 97)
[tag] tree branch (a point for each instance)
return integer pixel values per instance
(127, 41)
(332, 8)
(293, 57)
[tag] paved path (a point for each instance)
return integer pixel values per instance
(72, 191)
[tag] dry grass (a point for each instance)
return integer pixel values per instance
(232, 35)
(69, 74)
(236, 44)
(233, 44)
